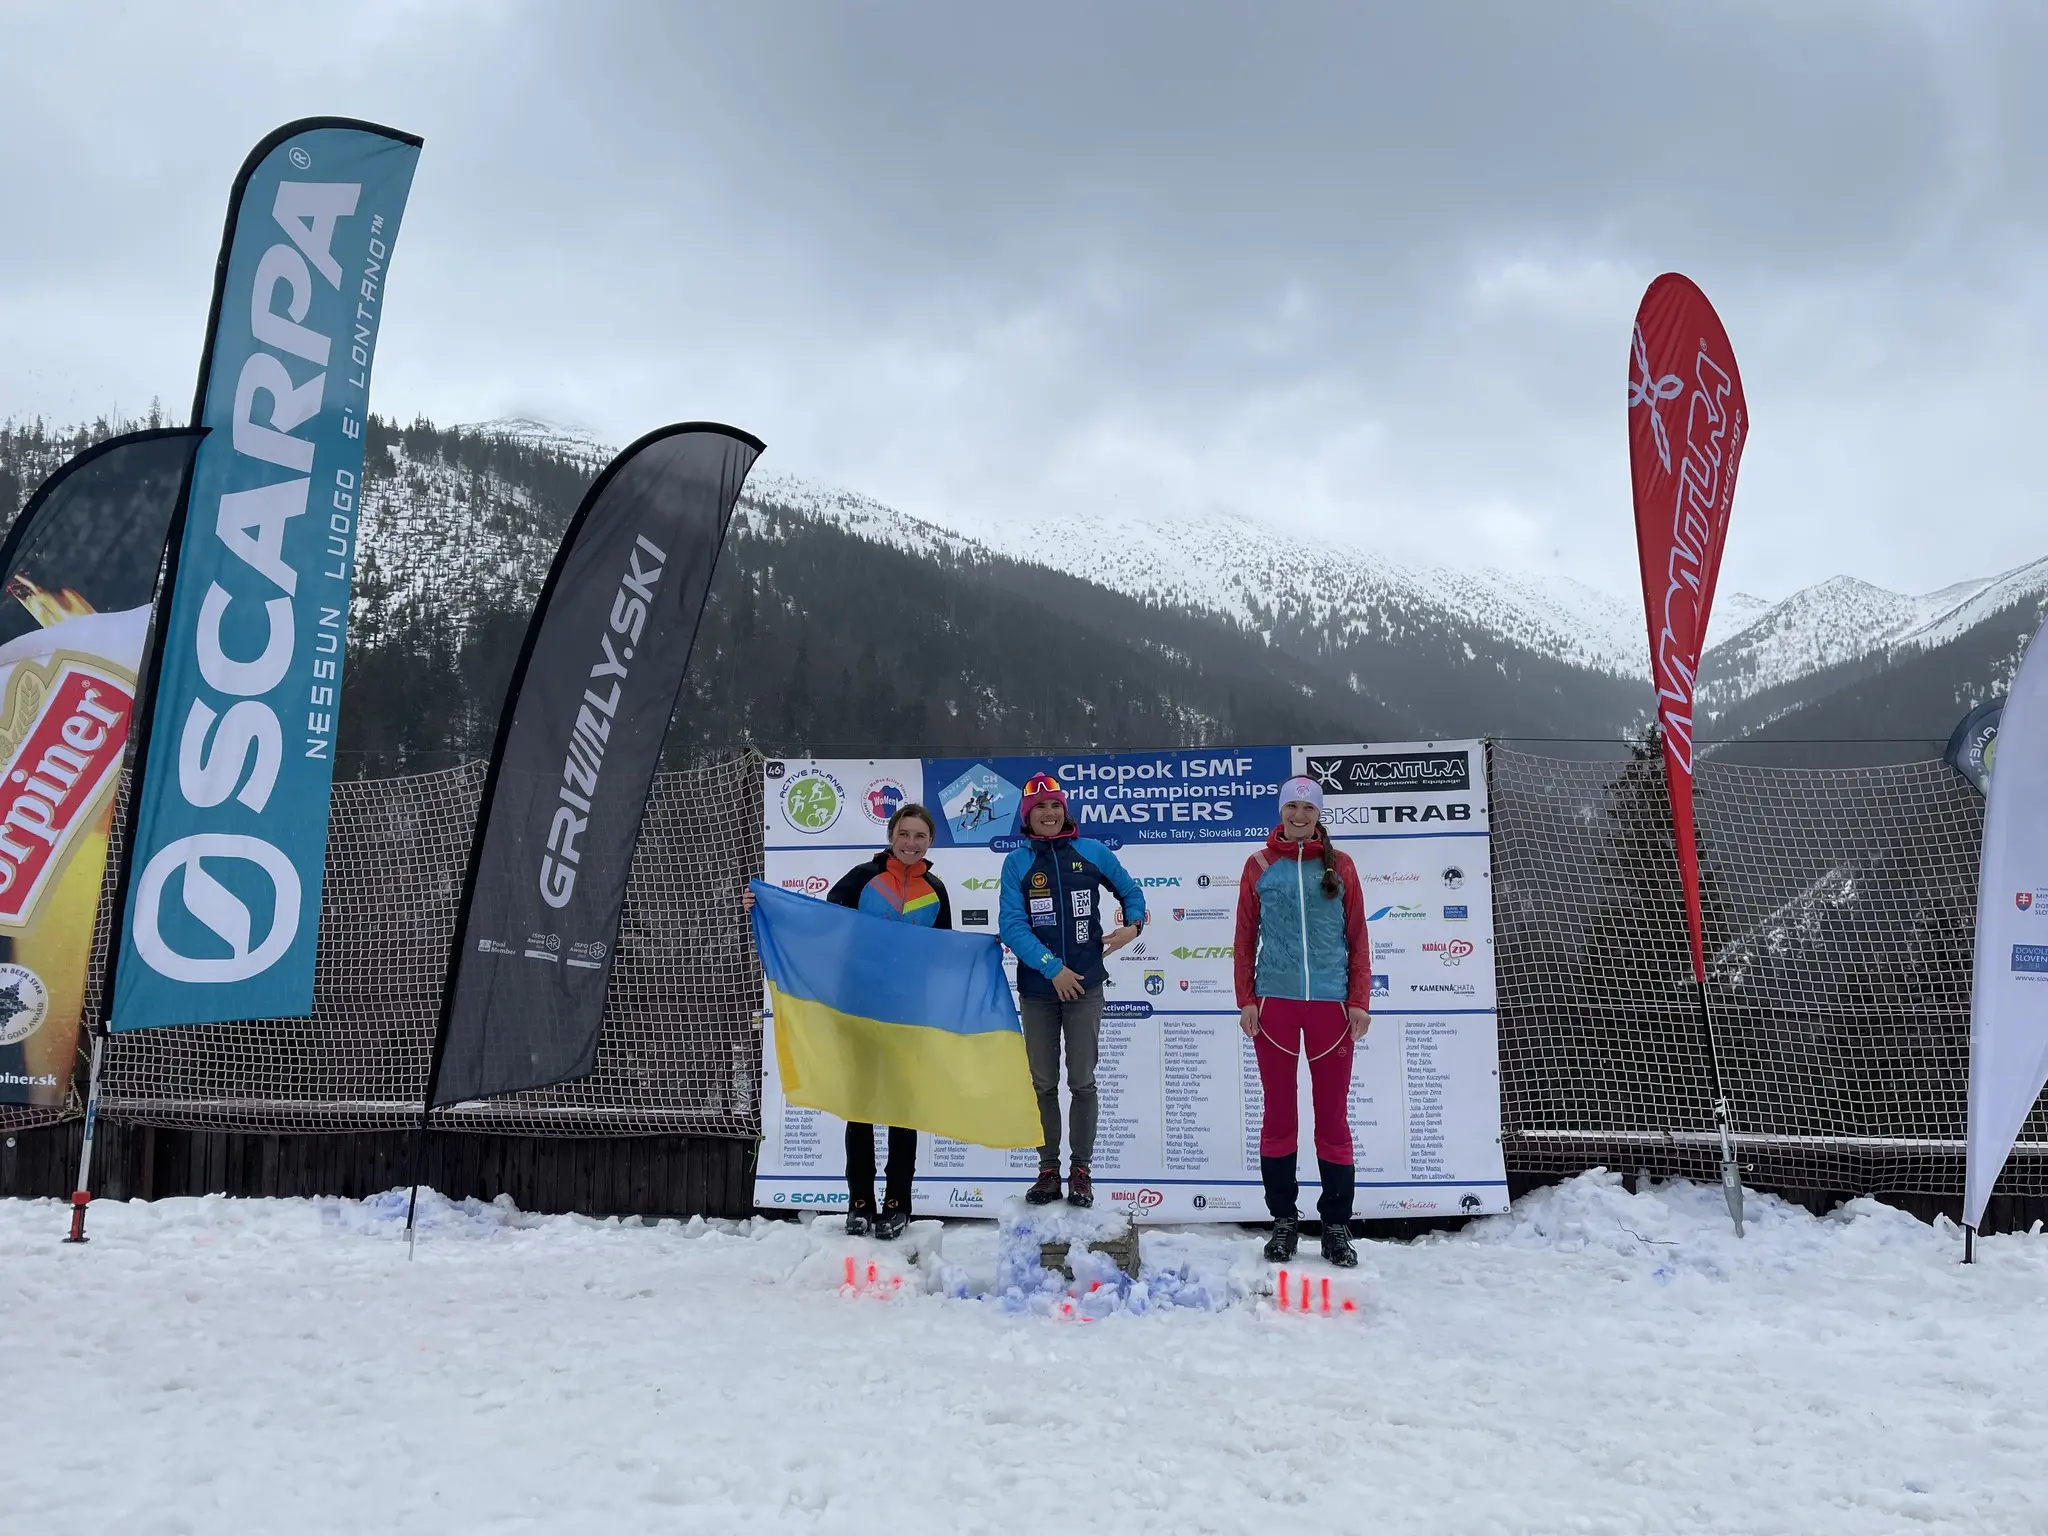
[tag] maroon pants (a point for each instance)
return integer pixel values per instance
(1288, 1030)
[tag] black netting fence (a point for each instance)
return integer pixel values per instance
(1839, 910)
(1839, 905)
(681, 1051)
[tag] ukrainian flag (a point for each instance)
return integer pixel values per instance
(894, 1023)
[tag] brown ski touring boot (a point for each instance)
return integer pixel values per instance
(1080, 1186)
(1047, 1189)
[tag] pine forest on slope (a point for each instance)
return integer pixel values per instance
(839, 625)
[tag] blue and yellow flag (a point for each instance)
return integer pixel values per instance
(894, 1023)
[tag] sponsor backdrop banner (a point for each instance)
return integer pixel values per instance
(221, 889)
(1179, 1085)
(2009, 1001)
(578, 742)
(80, 567)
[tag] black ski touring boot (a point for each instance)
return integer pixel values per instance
(890, 1224)
(1282, 1190)
(860, 1222)
(1339, 1182)
(1285, 1239)
(1337, 1247)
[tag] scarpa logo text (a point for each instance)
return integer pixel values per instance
(236, 753)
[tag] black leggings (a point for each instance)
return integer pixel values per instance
(860, 1166)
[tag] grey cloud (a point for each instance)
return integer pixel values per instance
(1366, 267)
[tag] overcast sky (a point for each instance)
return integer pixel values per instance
(1366, 271)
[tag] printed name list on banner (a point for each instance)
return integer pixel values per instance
(1179, 1087)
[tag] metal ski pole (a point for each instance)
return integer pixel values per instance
(1731, 1171)
(419, 1150)
(81, 1196)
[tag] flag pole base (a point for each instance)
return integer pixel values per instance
(80, 1199)
(1969, 1245)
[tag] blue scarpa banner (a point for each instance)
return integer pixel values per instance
(221, 888)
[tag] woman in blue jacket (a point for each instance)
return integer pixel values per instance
(1051, 920)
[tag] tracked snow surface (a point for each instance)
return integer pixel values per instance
(1594, 1361)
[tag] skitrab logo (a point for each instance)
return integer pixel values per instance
(24, 1003)
(883, 798)
(812, 801)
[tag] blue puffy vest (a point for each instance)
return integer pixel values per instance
(1302, 953)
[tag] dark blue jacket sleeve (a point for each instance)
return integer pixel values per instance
(1129, 894)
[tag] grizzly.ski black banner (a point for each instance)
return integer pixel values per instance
(578, 742)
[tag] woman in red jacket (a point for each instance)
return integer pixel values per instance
(1304, 988)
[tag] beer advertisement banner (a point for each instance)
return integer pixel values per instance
(1179, 1086)
(80, 567)
(578, 743)
(221, 893)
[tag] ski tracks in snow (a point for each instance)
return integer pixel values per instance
(1595, 1361)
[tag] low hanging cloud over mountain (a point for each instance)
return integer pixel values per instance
(1343, 270)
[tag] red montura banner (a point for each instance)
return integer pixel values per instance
(1687, 424)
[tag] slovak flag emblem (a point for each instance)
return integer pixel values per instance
(2023, 899)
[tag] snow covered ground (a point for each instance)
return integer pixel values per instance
(1592, 1362)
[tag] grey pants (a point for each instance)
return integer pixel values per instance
(1046, 1019)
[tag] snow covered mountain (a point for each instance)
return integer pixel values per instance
(1222, 563)
(559, 438)
(1218, 562)
(1844, 620)
(435, 525)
